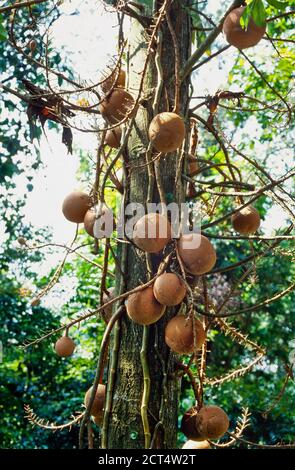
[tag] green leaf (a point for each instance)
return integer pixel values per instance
(245, 18)
(3, 33)
(148, 4)
(255, 10)
(258, 13)
(277, 4)
(198, 35)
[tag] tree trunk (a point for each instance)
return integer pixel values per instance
(123, 422)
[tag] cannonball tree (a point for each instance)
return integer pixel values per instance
(150, 125)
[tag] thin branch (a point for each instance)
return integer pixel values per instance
(215, 54)
(280, 395)
(19, 5)
(281, 15)
(240, 372)
(41, 423)
(262, 446)
(242, 423)
(272, 88)
(208, 41)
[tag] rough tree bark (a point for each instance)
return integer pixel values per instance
(123, 426)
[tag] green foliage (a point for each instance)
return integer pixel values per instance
(3, 34)
(272, 326)
(279, 5)
(255, 10)
(198, 33)
(148, 4)
(35, 376)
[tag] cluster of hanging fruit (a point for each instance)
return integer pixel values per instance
(182, 334)
(78, 207)
(209, 422)
(116, 106)
(197, 254)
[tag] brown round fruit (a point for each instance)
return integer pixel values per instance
(179, 334)
(113, 137)
(169, 289)
(99, 400)
(197, 253)
(188, 424)
(104, 222)
(246, 221)
(166, 132)
(152, 232)
(89, 220)
(196, 445)
(211, 422)
(143, 308)
(75, 206)
(109, 83)
(106, 298)
(64, 346)
(114, 108)
(236, 35)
